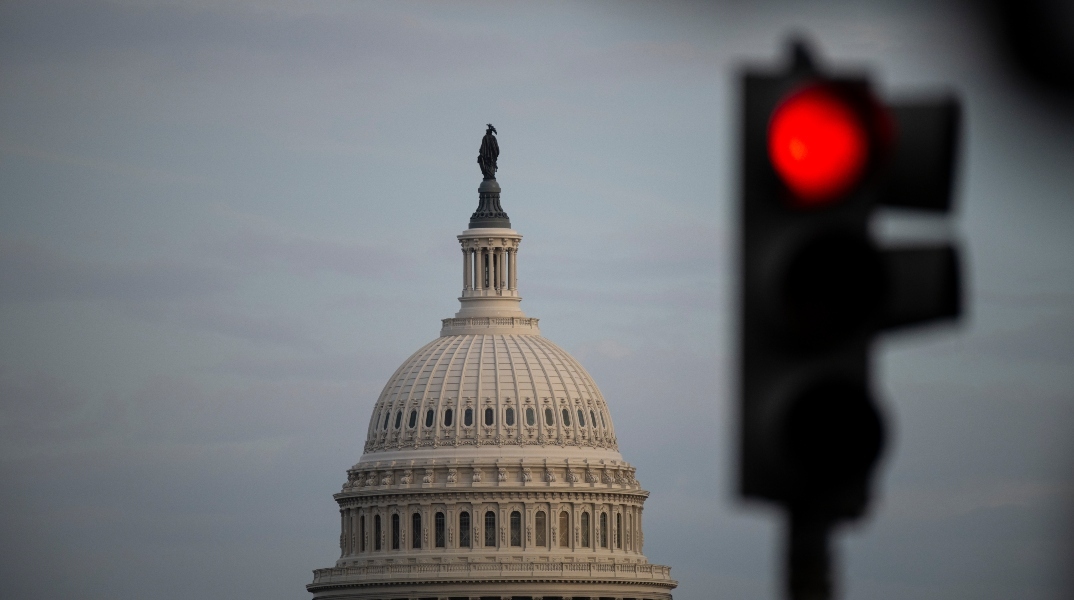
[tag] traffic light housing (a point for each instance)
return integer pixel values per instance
(820, 153)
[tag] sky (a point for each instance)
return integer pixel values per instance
(224, 225)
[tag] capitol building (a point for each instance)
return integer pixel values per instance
(491, 468)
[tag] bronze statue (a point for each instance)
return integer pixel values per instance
(486, 157)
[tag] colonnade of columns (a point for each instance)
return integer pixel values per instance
(489, 269)
(611, 528)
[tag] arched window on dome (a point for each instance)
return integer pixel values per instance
(415, 531)
(438, 525)
(464, 529)
(447, 417)
(429, 416)
(603, 530)
(549, 419)
(585, 530)
(618, 530)
(516, 528)
(395, 532)
(602, 423)
(490, 528)
(509, 417)
(413, 420)
(593, 419)
(468, 417)
(564, 529)
(387, 417)
(566, 418)
(376, 532)
(398, 419)
(490, 415)
(581, 418)
(540, 524)
(531, 419)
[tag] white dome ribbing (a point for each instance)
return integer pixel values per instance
(526, 374)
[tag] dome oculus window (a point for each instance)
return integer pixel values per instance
(447, 418)
(413, 420)
(592, 418)
(489, 416)
(429, 416)
(566, 418)
(549, 419)
(602, 423)
(387, 417)
(468, 417)
(581, 418)
(531, 418)
(509, 417)
(398, 419)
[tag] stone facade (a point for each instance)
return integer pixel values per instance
(491, 467)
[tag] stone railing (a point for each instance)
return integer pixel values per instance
(460, 325)
(432, 572)
(425, 475)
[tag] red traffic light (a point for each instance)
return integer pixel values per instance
(818, 144)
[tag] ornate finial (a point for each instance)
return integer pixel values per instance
(490, 150)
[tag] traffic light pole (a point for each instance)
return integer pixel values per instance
(808, 556)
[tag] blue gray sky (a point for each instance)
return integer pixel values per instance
(223, 225)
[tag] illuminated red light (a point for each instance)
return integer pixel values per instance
(818, 145)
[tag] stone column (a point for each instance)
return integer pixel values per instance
(479, 265)
(641, 536)
(342, 532)
(350, 531)
(499, 269)
(503, 268)
(513, 267)
(467, 277)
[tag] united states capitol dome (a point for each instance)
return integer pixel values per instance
(491, 467)
(517, 391)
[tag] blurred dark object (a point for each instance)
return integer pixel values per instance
(1038, 37)
(820, 153)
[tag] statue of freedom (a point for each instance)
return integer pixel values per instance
(486, 157)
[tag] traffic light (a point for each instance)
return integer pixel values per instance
(820, 153)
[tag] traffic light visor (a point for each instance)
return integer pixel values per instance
(818, 144)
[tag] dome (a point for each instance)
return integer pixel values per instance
(490, 466)
(521, 394)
